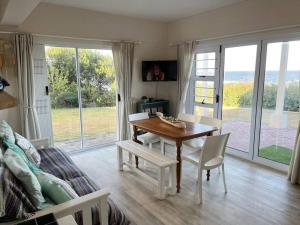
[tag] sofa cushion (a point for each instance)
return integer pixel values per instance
(6, 131)
(30, 151)
(58, 163)
(15, 199)
(22, 172)
(57, 190)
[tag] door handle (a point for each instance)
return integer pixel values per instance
(47, 90)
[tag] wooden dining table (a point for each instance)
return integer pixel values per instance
(157, 126)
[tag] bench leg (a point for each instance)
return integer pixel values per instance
(161, 184)
(120, 158)
(130, 158)
(172, 179)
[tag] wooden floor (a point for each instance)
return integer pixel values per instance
(256, 195)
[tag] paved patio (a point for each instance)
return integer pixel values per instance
(240, 135)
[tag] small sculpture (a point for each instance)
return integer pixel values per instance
(3, 84)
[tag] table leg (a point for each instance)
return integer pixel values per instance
(178, 168)
(136, 140)
(208, 171)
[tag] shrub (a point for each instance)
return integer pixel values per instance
(291, 100)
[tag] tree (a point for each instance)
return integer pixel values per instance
(97, 80)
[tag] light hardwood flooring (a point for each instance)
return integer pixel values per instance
(256, 195)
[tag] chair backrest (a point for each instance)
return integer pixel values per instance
(138, 116)
(211, 121)
(187, 117)
(213, 147)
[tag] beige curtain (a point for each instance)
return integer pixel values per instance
(123, 54)
(29, 120)
(185, 57)
(294, 170)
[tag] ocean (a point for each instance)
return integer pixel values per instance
(248, 76)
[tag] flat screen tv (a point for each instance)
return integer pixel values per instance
(159, 70)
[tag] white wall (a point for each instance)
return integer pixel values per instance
(11, 115)
(244, 17)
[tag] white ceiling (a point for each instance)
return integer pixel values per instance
(162, 10)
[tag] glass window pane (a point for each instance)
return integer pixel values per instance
(202, 111)
(280, 113)
(240, 63)
(98, 97)
(64, 97)
(205, 72)
(205, 64)
(205, 56)
(204, 92)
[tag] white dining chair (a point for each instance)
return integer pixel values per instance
(146, 138)
(196, 143)
(183, 117)
(209, 157)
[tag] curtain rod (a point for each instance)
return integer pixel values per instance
(237, 35)
(73, 38)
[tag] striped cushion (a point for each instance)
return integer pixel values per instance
(16, 201)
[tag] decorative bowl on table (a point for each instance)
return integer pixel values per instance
(171, 120)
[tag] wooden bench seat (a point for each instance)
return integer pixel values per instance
(160, 161)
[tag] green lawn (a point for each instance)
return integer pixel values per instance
(276, 153)
(96, 120)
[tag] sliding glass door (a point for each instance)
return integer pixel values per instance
(278, 111)
(98, 96)
(83, 99)
(259, 88)
(239, 75)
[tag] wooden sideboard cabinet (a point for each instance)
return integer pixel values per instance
(154, 106)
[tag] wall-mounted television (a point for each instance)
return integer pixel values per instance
(159, 70)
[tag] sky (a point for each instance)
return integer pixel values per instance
(243, 58)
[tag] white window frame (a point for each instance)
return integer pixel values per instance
(191, 98)
(261, 39)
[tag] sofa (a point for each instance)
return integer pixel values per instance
(92, 207)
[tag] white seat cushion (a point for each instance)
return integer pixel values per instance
(148, 138)
(194, 144)
(168, 141)
(194, 158)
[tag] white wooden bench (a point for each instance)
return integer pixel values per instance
(156, 159)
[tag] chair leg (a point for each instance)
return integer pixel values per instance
(172, 179)
(198, 192)
(120, 158)
(130, 158)
(150, 145)
(144, 161)
(223, 174)
(162, 147)
(161, 184)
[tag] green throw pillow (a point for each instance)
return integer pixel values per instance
(22, 172)
(6, 131)
(57, 190)
(9, 145)
(30, 151)
(2, 202)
